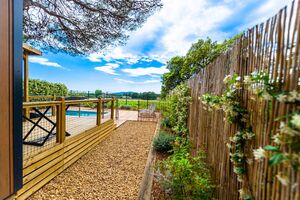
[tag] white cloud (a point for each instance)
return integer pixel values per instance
(172, 30)
(117, 53)
(178, 24)
(44, 61)
(109, 68)
(150, 71)
(151, 81)
(268, 9)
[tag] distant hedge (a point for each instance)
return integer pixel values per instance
(39, 87)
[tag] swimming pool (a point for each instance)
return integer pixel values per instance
(82, 113)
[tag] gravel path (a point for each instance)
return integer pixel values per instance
(112, 170)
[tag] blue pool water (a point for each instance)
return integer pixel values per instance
(82, 113)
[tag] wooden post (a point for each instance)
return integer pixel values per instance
(112, 109)
(102, 106)
(26, 83)
(99, 110)
(53, 107)
(79, 110)
(138, 109)
(117, 108)
(61, 121)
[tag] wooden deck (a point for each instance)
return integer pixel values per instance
(74, 126)
(41, 168)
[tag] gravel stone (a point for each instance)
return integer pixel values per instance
(112, 170)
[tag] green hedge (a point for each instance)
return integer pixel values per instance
(40, 87)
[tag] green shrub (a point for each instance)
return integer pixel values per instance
(177, 111)
(165, 123)
(184, 176)
(125, 107)
(39, 87)
(163, 142)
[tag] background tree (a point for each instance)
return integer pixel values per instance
(201, 54)
(98, 93)
(81, 26)
(44, 88)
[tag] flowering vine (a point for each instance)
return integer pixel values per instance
(234, 113)
(289, 130)
(261, 84)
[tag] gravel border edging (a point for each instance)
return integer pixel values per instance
(147, 181)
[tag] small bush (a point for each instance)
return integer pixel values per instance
(125, 107)
(165, 123)
(163, 142)
(184, 176)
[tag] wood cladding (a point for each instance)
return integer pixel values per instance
(6, 67)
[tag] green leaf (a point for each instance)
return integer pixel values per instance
(296, 147)
(276, 159)
(271, 148)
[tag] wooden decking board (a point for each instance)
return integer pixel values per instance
(43, 167)
(48, 156)
(42, 162)
(51, 176)
(28, 161)
(63, 155)
(38, 169)
(49, 161)
(74, 126)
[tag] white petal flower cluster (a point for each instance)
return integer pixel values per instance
(259, 154)
(289, 97)
(296, 121)
(283, 179)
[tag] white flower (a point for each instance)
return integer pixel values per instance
(249, 161)
(227, 78)
(233, 139)
(247, 80)
(283, 179)
(240, 179)
(294, 95)
(228, 145)
(281, 98)
(276, 139)
(237, 85)
(267, 96)
(249, 135)
(282, 125)
(243, 193)
(259, 153)
(284, 129)
(290, 99)
(238, 78)
(257, 90)
(296, 121)
(254, 73)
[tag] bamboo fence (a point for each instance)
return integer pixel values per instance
(271, 47)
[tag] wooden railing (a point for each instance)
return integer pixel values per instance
(64, 146)
(48, 118)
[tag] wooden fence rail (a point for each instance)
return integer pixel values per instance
(272, 47)
(42, 162)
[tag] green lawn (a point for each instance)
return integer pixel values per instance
(134, 104)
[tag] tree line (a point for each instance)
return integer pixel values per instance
(200, 55)
(45, 88)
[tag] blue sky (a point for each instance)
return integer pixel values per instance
(139, 65)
